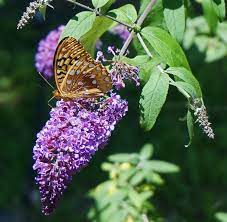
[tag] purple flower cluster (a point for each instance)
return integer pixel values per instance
(46, 50)
(75, 131)
(121, 31)
(121, 71)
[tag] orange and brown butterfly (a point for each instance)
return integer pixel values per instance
(77, 74)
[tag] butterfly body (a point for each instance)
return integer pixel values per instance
(77, 74)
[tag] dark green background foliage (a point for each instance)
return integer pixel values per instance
(194, 194)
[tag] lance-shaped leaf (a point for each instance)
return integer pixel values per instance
(79, 25)
(161, 166)
(99, 3)
(190, 126)
(186, 89)
(174, 14)
(126, 13)
(210, 14)
(186, 76)
(153, 97)
(166, 46)
(100, 26)
(220, 9)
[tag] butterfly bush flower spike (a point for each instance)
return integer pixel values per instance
(121, 71)
(31, 10)
(121, 31)
(202, 118)
(72, 135)
(45, 52)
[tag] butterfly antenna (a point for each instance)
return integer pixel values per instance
(46, 81)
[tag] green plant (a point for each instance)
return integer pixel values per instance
(127, 195)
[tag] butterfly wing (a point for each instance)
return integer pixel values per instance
(77, 73)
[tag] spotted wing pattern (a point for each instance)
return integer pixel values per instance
(77, 73)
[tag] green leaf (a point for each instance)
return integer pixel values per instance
(174, 14)
(162, 166)
(166, 46)
(42, 11)
(190, 127)
(100, 26)
(105, 8)
(125, 175)
(146, 195)
(145, 64)
(135, 198)
(99, 3)
(153, 177)
(79, 25)
(137, 178)
(210, 14)
(123, 157)
(185, 87)
(155, 17)
(146, 152)
(222, 217)
(153, 97)
(126, 13)
(220, 9)
(186, 76)
(107, 166)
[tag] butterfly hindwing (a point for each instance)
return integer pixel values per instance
(76, 72)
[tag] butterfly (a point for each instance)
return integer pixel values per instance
(77, 74)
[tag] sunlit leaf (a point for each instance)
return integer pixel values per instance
(99, 27)
(174, 14)
(166, 46)
(152, 98)
(161, 166)
(123, 157)
(126, 13)
(79, 25)
(185, 87)
(186, 76)
(99, 3)
(146, 151)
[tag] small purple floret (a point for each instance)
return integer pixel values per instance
(74, 132)
(45, 52)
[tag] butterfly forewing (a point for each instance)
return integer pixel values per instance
(77, 73)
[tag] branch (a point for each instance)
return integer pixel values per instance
(99, 13)
(145, 218)
(139, 23)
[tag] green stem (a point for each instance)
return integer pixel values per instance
(144, 45)
(100, 14)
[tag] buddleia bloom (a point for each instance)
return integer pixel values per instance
(72, 135)
(121, 71)
(30, 12)
(45, 52)
(202, 118)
